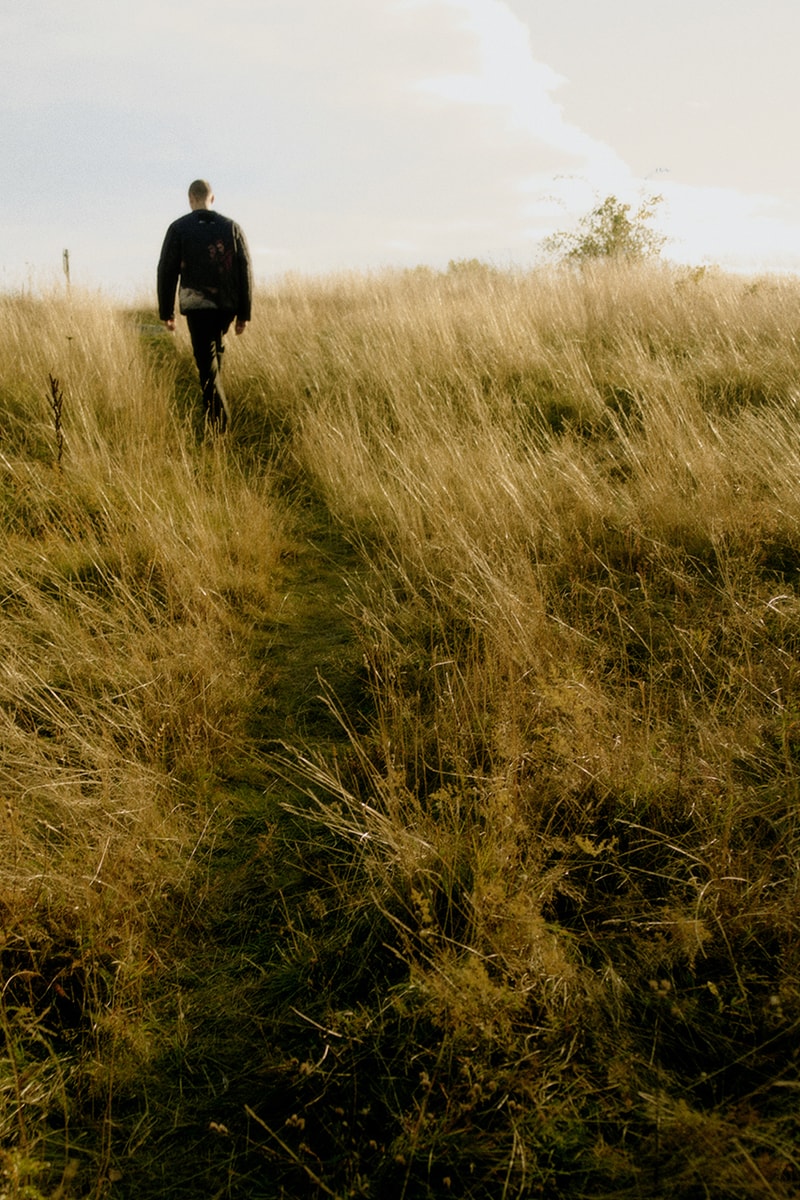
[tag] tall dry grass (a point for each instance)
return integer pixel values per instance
(133, 567)
(574, 814)
(530, 926)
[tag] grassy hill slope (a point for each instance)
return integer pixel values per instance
(401, 793)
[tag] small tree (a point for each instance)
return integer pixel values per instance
(609, 231)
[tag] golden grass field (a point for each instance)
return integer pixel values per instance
(400, 793)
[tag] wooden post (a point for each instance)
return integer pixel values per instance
(65, 258)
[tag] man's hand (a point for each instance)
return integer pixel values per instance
(170, 324)
(241, 326)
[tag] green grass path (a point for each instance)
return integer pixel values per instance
(231, 936)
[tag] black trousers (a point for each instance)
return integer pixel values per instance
(207, 328)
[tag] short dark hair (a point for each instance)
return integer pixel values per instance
(200, 189)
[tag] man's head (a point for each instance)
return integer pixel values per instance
(200, 194)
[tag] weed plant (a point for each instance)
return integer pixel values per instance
(524, 920)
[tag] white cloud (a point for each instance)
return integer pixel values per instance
(731, 228)
(703, 224)
(352, 133)
(507, 76)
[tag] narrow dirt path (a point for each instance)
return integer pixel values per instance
(310, 645)
(187, 1134)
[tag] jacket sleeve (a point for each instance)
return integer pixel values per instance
(169, 265)
(244, 277)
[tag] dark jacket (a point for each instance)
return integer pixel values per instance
(209, 254)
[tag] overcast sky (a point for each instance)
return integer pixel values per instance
(357, 134)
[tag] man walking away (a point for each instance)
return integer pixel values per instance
(208, 254)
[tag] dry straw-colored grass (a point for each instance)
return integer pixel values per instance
(131, 572)
(530, 926)
(576, 806)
